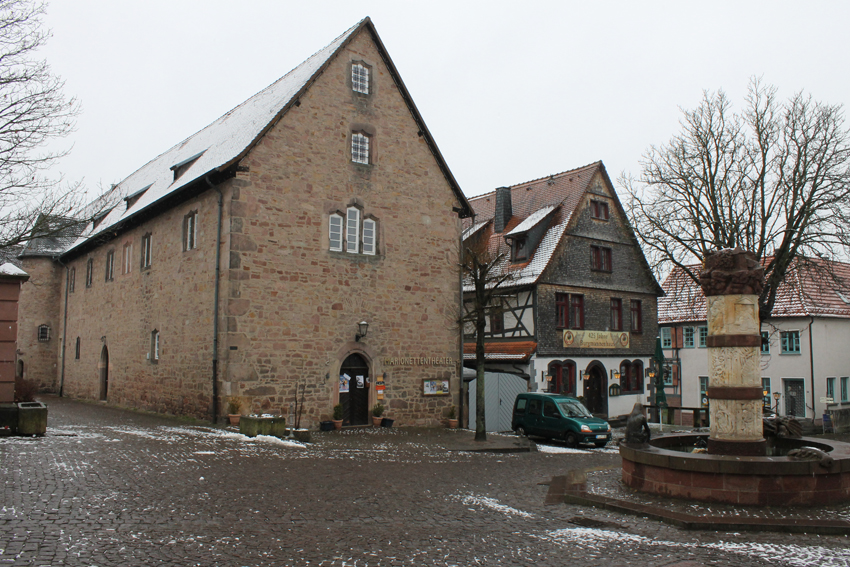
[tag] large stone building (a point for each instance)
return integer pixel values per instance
(241, 261)
(804, 363)
(580, 304)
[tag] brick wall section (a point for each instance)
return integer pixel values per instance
(293, 306)
(41, 298)
(174, 296)
(570, 272)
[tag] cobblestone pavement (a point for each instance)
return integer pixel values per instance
(112, 487)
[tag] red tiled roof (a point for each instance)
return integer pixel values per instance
(811, 288)
(518, 351)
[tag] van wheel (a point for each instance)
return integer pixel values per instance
(571, 440)
(520, 431)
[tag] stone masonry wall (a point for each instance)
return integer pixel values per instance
(173, 296)
(293, 306)
(41, 297)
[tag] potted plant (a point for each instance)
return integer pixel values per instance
(234, 409)
(452, 418)
(377, 412)
(337, 419)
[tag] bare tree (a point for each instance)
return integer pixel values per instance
(773, 179)
(485, 274)
(33, 112)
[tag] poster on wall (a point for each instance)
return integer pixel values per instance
(379, 387)
(360, 381)
(435, 387)
(344, 379)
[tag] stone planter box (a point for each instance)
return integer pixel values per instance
(8, 419)
(32, 418)
(252, 426)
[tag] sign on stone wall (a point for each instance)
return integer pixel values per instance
(419, 361)
(595, 339)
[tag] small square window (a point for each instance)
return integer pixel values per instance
(360, 148)
(43, 333)
(599, 210)
(360, 78)
(600, 259)
(790, 342)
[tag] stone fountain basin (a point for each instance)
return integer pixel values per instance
(662, 467)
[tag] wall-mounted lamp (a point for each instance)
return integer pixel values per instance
(615, 374)
(650, 373)
(548, 377)
(362, 329)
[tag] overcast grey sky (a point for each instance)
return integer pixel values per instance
(511, 91)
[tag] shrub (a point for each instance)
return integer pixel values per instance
(338, 412)
(378, 410)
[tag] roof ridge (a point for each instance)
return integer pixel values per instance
(554, 175)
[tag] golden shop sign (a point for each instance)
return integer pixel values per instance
(595, 339)
(420, 361)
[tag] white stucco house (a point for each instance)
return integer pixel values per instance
(805, 357)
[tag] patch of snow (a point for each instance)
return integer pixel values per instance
(493, 504)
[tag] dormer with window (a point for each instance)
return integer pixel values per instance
(526, 236)
(181, 167)
(130, 200)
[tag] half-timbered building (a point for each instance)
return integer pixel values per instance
(578, 312)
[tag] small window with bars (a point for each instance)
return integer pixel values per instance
(43, 333)
(360, 78)
(360, 148)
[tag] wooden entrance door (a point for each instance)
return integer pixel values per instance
(355, 402)
(595, 397)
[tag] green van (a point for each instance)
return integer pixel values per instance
(555, 416)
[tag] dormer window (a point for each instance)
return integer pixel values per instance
(131, 199)
(181, 167)
(520, 248)
(360, 78)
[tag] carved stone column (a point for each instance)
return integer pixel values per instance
(731, 281)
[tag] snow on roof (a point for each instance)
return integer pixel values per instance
(532, 220)
(811, 288)
(217, 145)
(9, 269)
(473, 229)
(532, 202)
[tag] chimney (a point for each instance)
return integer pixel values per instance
(504, 212)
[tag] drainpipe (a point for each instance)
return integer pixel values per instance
(811, 369)
(64, 327)
(215, 302)
(460, 321)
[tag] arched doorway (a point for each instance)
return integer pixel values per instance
(103, 367)
(595, 389)
(355, 402)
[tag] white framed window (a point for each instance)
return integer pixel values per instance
(790, 342)
(146, 251)
(127, 258)
(703, 336)
(830, 388)
(335, 232)
(154, 356)
(688, 337)
(352, 230)
(844, 392)
(666, 338)
(190, 231)
(43, 333)
(360, 148)
(110, 265)
(360, 78)
(369, 236)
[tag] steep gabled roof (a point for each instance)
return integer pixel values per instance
(812, 288)
(558, 194)
(227, 140)
(51, 236)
